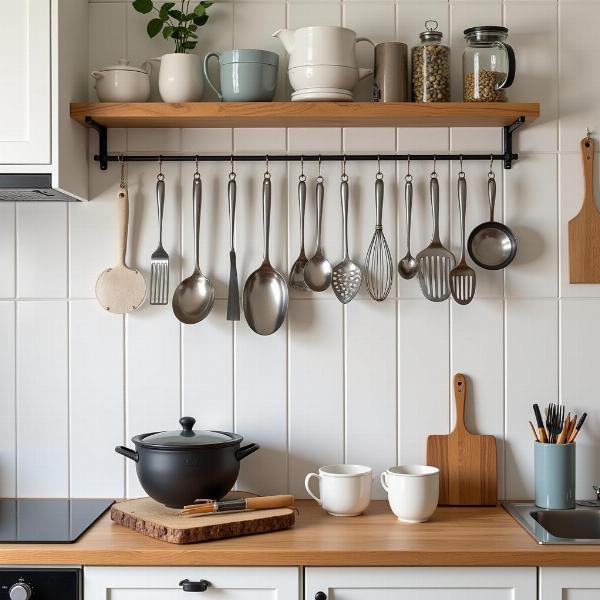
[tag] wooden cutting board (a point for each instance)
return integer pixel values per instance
(155, 520)
(467, 462)
(584, 229)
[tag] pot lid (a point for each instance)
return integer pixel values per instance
(124, 66)
(187, 437)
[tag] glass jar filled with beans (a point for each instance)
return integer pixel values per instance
(431, 67)
(488, 64)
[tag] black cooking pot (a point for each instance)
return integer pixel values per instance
(178, 467)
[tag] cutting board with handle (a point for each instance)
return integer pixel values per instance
(155, 520)
(584, 229)
(467, 462)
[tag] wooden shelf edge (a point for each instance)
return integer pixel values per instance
(303, 114)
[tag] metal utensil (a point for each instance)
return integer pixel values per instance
(318, 272)
(265, 295)
(492, 245)
(462, 277)
(407, 267)
(379, 268)
(554, 421)
(194, 297)
(233, 293)
(297, 273)
(435, 262)
(159, 261)
(347, 276)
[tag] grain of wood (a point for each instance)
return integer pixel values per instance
(467, 462)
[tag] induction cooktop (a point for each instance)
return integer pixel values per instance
(48, 520)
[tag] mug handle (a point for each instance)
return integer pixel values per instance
(307, 486)
(206, 59)
(384, 482)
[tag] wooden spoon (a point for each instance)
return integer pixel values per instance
(120, 289)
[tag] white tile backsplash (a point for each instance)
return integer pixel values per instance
(364, 383)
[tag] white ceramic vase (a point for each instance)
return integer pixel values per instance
(180, 77)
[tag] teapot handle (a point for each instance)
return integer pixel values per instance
(512, 65)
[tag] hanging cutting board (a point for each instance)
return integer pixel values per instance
(155, 520)
(467, 462)
(584, 229)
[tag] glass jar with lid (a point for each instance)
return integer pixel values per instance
(488, 64)
(431, 67)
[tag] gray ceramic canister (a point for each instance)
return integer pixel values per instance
(554, 467)
(245, 75)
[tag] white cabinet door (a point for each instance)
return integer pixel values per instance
(25, 82)
(569, 583)
(421, 583)
(162, 583)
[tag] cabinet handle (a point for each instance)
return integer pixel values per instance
(320, 596)
(194, 586)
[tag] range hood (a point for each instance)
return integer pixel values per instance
(30, 187)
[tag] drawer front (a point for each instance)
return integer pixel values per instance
(162, 583)
(569, 583)
(421, 583)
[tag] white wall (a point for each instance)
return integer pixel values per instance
(363, 383)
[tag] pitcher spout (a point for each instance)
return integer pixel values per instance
(286, 37)
(362, 73)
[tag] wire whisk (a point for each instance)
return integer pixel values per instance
(379, 267)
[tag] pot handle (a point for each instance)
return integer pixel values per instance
(246, 450)
(96, 75)
(127, 453)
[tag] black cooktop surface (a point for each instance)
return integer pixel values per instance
(50, 520)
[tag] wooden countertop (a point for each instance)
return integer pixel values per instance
(454, 536)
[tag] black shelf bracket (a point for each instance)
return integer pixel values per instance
(102, 156)
(507, 145)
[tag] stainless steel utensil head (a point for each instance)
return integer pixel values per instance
(346, 280)
(318, 271)
(233, 292)
(407, 267)
(296, 280)
(159, 260)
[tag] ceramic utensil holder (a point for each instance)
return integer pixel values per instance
(554, 467)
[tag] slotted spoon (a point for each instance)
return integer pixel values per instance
(435, 262)
(462, 277)
(347, 276)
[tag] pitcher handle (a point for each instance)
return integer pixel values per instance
(206, 59)
(365, 72)
(384, 481)
(307, 486)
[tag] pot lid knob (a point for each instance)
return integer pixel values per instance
(187, 423)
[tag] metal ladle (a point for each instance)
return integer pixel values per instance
(297, 273)
(265, 295)
(492, 245)
(194, 297)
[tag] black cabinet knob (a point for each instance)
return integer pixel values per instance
(194, 586)
(320, 596)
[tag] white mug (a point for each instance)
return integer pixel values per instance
(344, 490)
(413, 491)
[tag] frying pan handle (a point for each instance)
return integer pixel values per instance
(492, 195)
(127, 453)
(246, 451)
(460, 393)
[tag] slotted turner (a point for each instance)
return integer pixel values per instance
(347, 276)
(435, 262)
(159, 261)
(462, 277)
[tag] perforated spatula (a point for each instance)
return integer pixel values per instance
(120, 289)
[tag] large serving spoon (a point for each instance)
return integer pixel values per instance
(297, 272)
(407, 267)
(265, 297)
(194, 297)
(317, 272)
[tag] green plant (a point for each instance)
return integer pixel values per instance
(180, 25)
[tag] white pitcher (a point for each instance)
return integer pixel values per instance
(323, 45)
(180, 78)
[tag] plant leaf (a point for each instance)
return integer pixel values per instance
(143, 6)
(176, 14)
(164, 10)
(154, 27)
(201, 20)
(206, 3)
(167, 31)
(179, 33)
(188, 17)
(192, 27)
(189, 45)
(199, 10)
(192, 34)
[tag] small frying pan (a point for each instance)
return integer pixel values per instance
(492, 245)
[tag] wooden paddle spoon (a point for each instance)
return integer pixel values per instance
(120, 289)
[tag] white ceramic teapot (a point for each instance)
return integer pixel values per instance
(123, 82)
(311, 48)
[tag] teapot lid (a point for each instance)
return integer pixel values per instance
(124, 66)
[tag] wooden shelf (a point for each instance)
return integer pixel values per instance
(303, 114)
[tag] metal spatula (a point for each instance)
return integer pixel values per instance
(159, 261)
(462, 277)
(435, 262)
